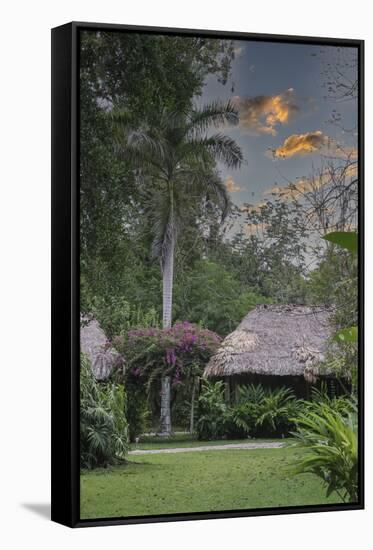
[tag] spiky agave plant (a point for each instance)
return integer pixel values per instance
(332, 441)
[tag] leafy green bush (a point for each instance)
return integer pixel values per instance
(103, 425)
(331, 437)
(116, 315)
(211, 411)
(241, 418)
(262, 412)
(276, 411)
(342, 404)
(137, 410)
(258, 412)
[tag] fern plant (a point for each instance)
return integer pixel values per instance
(241, 419)
(276, 410)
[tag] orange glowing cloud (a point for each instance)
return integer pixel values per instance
(302, 144)
(312, 142)
(231, 185)
(262, 114)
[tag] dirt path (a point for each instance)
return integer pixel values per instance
(244, 446)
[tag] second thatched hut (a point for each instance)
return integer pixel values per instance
(276, 345)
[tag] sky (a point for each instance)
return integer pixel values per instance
(283, 129)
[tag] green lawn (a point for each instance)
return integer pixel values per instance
(198, 482)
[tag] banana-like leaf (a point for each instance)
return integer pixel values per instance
(345, 239)
(348, 335)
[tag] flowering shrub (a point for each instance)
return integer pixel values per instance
(179, 351)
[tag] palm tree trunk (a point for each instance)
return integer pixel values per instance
(168, 276)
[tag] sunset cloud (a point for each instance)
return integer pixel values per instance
(301, 187)
(263, 114)
(302, 144)
(295, 190)
(231, 185)
(249, 208)
(311, 142)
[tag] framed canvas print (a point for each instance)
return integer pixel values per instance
(207, 274)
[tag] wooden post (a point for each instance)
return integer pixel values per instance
(191, 427)
(227, 391)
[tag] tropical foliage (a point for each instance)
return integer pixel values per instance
(163, 241)
(212, 411)
(258, 412)
(343, 358)
(210, 294)
(331, 436)
(103, 424)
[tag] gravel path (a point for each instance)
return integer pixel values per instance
(208, 448)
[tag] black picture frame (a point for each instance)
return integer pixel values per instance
(65, 273)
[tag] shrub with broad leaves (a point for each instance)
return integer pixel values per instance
(258, 412)
(330, 433)
(212, 411)
(103, 424)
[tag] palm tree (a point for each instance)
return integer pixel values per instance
(180, 154)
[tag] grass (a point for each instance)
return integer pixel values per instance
(200, 482)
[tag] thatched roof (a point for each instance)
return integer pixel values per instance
(281, 340)
(93, 343)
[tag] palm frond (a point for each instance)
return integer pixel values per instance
(138, 143)
(220, 147)
(219, 191)
(216, 113)
(201, 183)
(175, 119)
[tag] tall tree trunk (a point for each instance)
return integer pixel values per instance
(168, 279)
(168, 275)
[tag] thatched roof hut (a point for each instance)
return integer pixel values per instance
(274, 340)
(93, 343)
